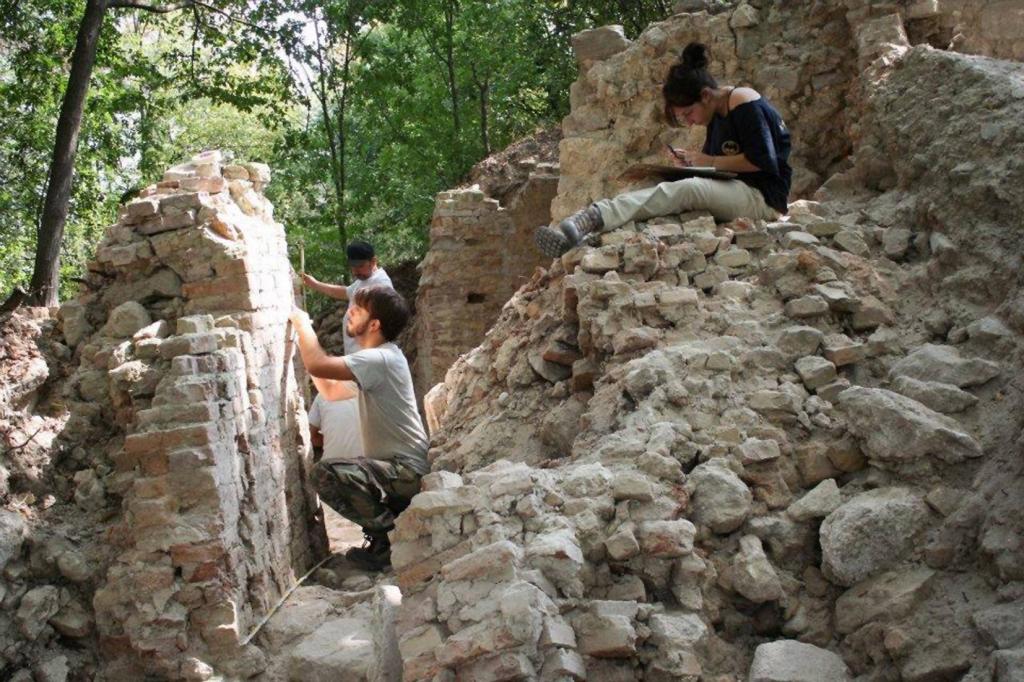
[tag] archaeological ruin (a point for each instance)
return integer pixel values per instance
(762, 452)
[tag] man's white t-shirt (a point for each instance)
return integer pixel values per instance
(392, 428)
(378, 278)
(338, 421)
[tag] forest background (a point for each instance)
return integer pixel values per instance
(364, 109)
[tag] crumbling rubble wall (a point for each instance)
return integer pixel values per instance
(480, 253)
(744, 451)
(806, 58)
(187, 394)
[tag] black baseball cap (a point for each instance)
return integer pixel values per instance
(359, 251)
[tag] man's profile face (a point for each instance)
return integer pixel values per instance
(358, 320)
(363, 269)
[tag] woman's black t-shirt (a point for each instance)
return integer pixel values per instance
(756, 130)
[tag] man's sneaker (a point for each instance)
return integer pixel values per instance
(374, 556)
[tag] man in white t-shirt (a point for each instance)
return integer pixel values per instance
(362, 261)
(372, 490)
(334, 420)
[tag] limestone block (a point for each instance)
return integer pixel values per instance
(1001, 625)
(506, 665)
(945, 398)
(806, 306)
(871, 313)
(889, 596)
(733, 258)
(630, 485)
(439, 480)
(605, 635)
(558, 555)
(769, 401)
(754, 450)
(599, 43)
(815, 371)
(894, 428)
(711, 276)
(944, 364)
(125, 320)
(601, 260)
(622, 544)
(73, 621)
(853, 242)
(821, 501)
(797, 239)
(492, 561)
(870, 533)
(799, 341)
(753, 240)
(563, 664)
(447, 501)
(720, 500)
(341, 648)
(841, 350)
(678, 631)
(753, 575)
(36, 608)
(896, 242)
(12, 535)
(788, 660)
(744, 16)
(670, 538)
(839, 296)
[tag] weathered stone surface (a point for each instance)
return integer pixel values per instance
(807, 306)
(753, 575)
(721, 501)
(12, 534)
(944, 364)
(815, 371)
(36, 608)
(677, 631)
(793, 661)
(799, 341)
(887, 596)
(669, 538)
(870, 533)
(126, 319)
(599, 43)
(945, 398)
(894, 428)
(819, 502)
(754, 450)
(341, 648)
(1001, 625)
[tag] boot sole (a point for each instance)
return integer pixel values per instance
(552, 243)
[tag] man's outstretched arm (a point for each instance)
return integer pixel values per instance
(337, 291)
(318, 363)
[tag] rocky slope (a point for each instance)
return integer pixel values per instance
(775, 452)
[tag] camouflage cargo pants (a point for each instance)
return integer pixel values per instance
(368, 492)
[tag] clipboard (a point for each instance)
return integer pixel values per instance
(653, 171)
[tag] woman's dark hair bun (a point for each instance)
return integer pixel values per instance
(695, 56)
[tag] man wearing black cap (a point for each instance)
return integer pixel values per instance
(362, 261)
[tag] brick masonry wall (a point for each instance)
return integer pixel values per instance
(480, 253)
(182, 329)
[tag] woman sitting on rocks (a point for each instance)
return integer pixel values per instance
(745, 135)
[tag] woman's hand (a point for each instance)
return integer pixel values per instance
(676, 157)
(698, 159)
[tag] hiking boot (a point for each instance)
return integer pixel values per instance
(374, 556)
(570, 233)
(580, 224)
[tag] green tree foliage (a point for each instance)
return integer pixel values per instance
(365, 109)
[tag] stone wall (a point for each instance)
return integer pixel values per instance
(480, 253)
(185, 350)
(752, 451)
(804, 57)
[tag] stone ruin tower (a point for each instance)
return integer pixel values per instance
(184, 344)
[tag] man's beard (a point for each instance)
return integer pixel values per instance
(355, 331)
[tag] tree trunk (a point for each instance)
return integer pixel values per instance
(43, 288)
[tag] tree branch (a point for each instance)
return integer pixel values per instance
(159, 9)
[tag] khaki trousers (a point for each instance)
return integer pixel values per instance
(725, 199)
